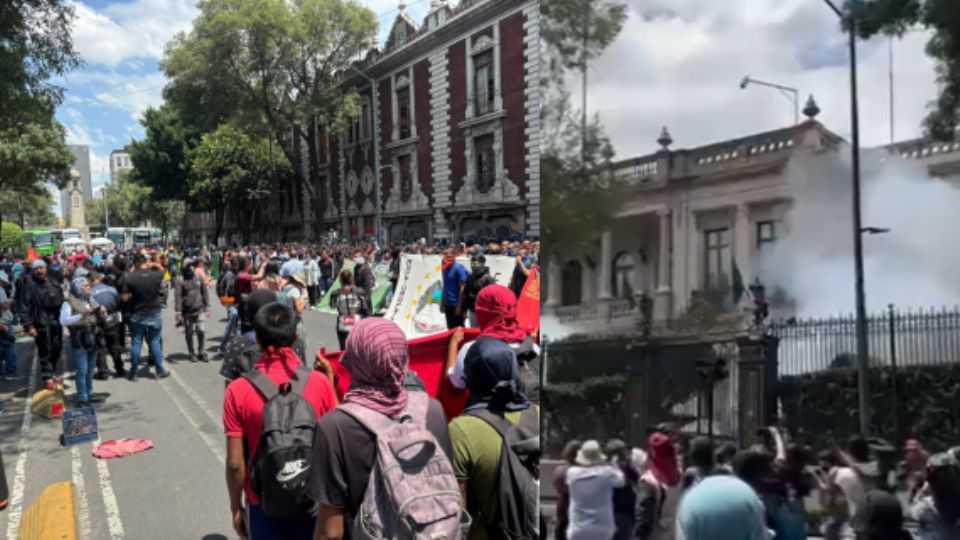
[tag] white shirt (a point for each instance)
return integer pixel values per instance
(591, 501)
(456, 372)
(852, 487)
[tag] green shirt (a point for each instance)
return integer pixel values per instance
(476, 462)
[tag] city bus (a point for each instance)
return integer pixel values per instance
(121, 237)
(59, 235)
(156, 237)
(41, 240)
(142, 236)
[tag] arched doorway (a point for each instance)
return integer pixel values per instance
(572, 284)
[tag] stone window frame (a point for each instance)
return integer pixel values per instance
(400, 80)
(483, 44)
(418, 200)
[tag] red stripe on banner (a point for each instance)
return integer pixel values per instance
(528, 305)
(428, 357)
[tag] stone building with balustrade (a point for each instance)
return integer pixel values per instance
(448, 131)
(692, 213)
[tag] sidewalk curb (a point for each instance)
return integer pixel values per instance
(52, 516)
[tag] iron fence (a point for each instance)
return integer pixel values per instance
(896, 339)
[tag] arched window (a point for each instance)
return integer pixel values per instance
(572, 284)
(624, 275)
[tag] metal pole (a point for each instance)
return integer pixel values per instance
(893, 377)
(376, 162)
(583, 72)
(863, 358)
(892, 139)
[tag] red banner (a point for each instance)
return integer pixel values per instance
(32, 254)
(528, 305)
(428, 357)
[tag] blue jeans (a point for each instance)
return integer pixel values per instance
(8, 357)
(85, 363)
(233, 321)
(262, 527)
(325, 284)
(152, 326)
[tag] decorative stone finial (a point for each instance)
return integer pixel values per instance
(665, 140)
(811, 109)
(402, 6)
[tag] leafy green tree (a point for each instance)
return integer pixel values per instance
(35, 46)
(30, 208)
(579, 194)
(160, 160)
(167, 215)
(283, 60)
(942, 17)
(31, 154)
(229, 170)
(11, 237)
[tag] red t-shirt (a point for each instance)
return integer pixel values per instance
(243, 403)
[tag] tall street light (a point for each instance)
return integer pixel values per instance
(791, 93)
(374, 105)
(863, 358)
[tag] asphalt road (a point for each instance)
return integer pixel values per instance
(177, 489)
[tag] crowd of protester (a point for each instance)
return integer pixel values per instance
(690, 489)
(380, 460)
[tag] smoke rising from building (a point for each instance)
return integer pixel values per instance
(913, 265)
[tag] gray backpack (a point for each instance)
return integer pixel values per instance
(279, 470)
(412, 492)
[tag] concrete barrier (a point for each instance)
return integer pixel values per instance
(51, 516)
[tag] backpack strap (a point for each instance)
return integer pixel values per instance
(262, 383)
(298, 382)
(496, 421)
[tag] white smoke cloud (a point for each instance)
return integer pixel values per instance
(912, 266)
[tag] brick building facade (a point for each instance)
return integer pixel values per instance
(456, 113)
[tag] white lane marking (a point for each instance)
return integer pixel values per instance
(114, 524)
(211, 444)
(80, 495)
(196, 397)
(23, 448)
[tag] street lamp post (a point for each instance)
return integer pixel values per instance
(378, 224)
(791, 93)
(862, 344)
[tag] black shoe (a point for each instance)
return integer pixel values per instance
(121, 373)
(96, 399)
(82, 404)
(132, 377)
(203, 358)
(102, 376)
(163, 374)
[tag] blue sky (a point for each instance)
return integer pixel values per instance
(122, 42)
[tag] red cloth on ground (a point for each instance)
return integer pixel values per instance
(243, 403)
(428, 356)
(124, 447)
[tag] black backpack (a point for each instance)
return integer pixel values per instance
(227, 286)
(519, 477)
(279, 470)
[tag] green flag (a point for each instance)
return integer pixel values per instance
(738, 288)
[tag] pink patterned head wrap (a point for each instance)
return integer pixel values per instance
(376, 357)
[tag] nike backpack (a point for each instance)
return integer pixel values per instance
(280, 467)
(412, 493)
(518, 512)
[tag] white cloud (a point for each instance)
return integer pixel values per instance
(80, 132)
(123, 31)
(678, 63)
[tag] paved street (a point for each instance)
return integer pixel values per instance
(177, 489)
